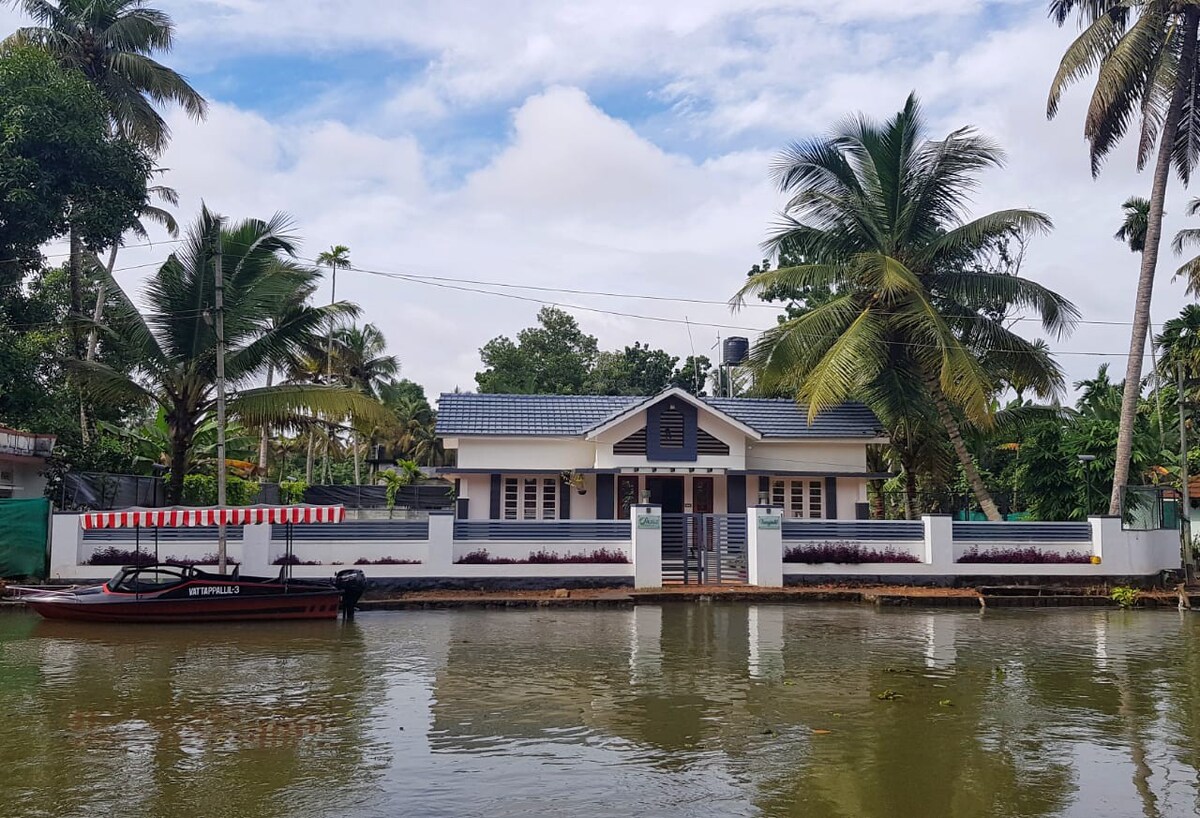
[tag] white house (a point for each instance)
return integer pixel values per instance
(588, 457)
(22, 463)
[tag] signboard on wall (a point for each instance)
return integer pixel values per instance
(772, 522)
(649, 521)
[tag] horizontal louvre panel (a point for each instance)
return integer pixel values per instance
(799, 529)
(548, 530)
(635, 444)
(707, 444)
(1022, 532)
(128, 535)
(357, 530)
(670, 428)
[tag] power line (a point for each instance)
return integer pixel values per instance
(424, 277)
(445, 283)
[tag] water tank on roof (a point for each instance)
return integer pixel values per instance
(734, 351)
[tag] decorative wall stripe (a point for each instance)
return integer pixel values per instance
(543, 530)
(889, 530)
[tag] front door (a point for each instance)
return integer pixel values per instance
(666, 492)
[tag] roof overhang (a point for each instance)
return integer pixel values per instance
(676, 393)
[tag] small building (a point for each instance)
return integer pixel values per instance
(22, 463)
(589, 457)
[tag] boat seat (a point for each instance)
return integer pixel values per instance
(237, 570)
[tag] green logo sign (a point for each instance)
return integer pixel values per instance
(649, 521)
(771, 523)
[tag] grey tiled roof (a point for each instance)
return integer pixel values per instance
(534, 415)
(785, 418)
(575, 415)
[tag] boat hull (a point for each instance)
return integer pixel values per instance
(295, 605)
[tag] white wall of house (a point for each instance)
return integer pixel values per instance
(806, 456)
(515, 453)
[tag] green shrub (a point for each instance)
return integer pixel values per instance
(292, 491)
(1124, 596)
(201, 490)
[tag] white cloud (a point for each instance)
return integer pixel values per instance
(574, 199)
(570, 196)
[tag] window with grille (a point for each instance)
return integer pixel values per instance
(670, 428)
(799, 498)
(530, 498)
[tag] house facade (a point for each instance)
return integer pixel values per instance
(586, 457)
(22, 463)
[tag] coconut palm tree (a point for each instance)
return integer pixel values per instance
(176, 343)
(1144, 55)
(877, 211)
(1180, 341)
(335, 258)
(361, 363)
(113, 43)
(1133, 233)
(1133, 229)
(304, 285)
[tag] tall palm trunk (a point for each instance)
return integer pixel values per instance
(1145, 288)
(182, 434)
(264, 438)
(982, 496)
(354, 443)
(308, 461)
(875, 490)
(910, 493)
(74, 273)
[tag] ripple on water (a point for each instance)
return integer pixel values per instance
(675, 711)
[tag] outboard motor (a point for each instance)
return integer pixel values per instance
(352, 583)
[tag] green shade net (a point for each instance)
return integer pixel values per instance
(24, 528)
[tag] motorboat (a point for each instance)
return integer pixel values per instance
(184, 593)
(167, 592)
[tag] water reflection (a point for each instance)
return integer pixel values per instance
(679, 710)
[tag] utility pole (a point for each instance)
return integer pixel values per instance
(220, 328)
(1185, 527)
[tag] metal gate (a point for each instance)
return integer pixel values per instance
(704, 549)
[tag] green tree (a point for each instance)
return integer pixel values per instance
(877, 212)
(693, 375)
(176, 343)
(112, 43)
(554, 357)
(634, 370)
(1144, 55)
(59, 165)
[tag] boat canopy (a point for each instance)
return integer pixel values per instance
(191, 516)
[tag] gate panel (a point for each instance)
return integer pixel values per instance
(704, 549)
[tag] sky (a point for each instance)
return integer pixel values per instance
(615, 146)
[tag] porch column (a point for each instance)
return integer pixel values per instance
(494, 499)
(735, 494)
(606, 494)
(646, 521)
(764, 546)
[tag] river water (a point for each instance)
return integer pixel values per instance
(683, 710)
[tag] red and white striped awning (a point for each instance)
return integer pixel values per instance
(185, 517)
